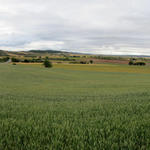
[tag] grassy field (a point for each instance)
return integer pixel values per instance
(74, 107)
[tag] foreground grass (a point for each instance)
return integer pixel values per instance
(74, 107)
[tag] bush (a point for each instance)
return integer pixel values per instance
(27, 61)
(15, 60)
(91, 61)
(140, 63)
(4, 59)
(131, 62)
(47, 64)
(37, 60)
(83, 62)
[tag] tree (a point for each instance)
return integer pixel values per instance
(131, 62)
(26, 60)
(47, 57)
(15, 59)
(91, 61)
(47, 64)
(140, 63)
(83, 62)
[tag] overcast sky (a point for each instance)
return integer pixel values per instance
(93, 26)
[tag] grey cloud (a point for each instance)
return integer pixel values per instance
(97, 26)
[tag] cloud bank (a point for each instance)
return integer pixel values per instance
(92, 26)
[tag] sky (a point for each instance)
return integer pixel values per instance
(112, 27)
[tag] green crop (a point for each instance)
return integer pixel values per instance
(74, 107)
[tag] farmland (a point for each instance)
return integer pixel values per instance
(38, 56)
(94, 106)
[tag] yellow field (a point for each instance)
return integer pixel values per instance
(106, 68)
(99, 67)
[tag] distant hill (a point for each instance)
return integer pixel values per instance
(34, 53)
(46, 51)
(30, 53)
(3, 53)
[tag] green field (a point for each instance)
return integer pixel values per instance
(74, 107)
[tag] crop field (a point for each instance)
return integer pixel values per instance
(74, 107)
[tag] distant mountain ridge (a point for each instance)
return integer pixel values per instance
(44, 52)
(30, 52)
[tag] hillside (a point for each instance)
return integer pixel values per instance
(3, 53)
(54, 56)
(29, 53)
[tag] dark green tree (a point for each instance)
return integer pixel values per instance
(131, 62)
(91, 61)
(47, 64)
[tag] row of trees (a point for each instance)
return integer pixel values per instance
(4, 59)
(131, 62)
(46, 63)
(27, 60)
(82, 62)
(39, 60)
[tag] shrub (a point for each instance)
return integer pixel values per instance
(131, 62)
(46, 58)
(15, 60)
(83, 62)
(140, 63)
(91, 61)
(26, 61)
(47, 64)
(4, 59)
